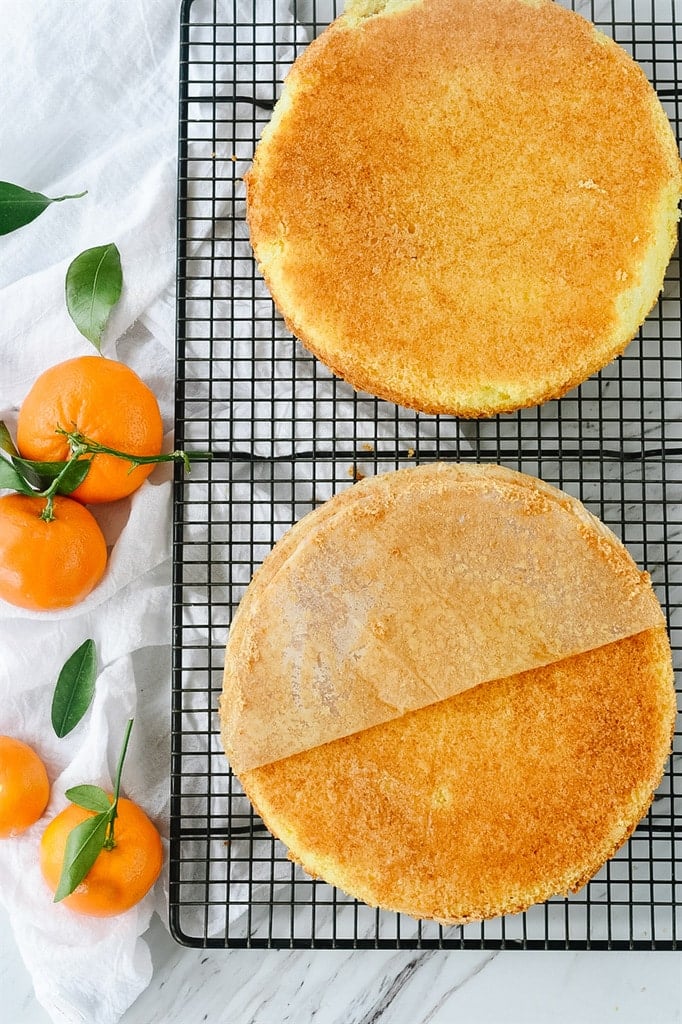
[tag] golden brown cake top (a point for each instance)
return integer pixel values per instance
(465, 205)
(411, 587)
(485, 803)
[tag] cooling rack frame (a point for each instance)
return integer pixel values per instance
(245, 389)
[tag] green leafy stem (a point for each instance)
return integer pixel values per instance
(63, 483)
(19, 206)
(45, 480)
(86, 841)
(81, 445)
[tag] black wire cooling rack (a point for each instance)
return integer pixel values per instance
(285, 436)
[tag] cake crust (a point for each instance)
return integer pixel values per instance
(501, 797)
(465, 207)
(376, 714)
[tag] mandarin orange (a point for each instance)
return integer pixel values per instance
(120, 877)
(24, 787)
(46, 566)
(105, 401)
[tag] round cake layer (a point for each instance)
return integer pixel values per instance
(410, 587)
(488, 802)
(464, 206)
(449, 691)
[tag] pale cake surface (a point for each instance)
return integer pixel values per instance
(410, 587)
(486, 803)
(465, 206)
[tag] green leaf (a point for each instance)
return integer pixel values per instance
(11, 479)
(18, 206)
(74, 476)
(6, 442)
(93, 287)
(75, 688)
(92, 798)
(83, 846)
(41, 474)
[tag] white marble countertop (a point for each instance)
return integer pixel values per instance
(191, 986)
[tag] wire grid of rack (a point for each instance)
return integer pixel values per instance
(286, 435)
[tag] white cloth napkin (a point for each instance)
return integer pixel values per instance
(88, 99)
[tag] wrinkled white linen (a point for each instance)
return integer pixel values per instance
(88, 100)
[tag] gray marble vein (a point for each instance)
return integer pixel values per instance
(447, 996)
(193, 986)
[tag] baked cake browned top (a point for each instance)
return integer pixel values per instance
(488, 802)
(449, 691)
(464, 206)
